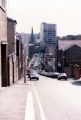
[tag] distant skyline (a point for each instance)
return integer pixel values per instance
(31, 13)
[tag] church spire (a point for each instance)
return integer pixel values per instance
(32, 39)
(32, 31)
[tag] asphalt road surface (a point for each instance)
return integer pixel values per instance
(58, 100)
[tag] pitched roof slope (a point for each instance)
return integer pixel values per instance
(65, 44)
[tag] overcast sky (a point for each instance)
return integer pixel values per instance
(65, 13)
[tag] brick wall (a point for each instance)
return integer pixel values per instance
(11, 35)
(73, 55)
(3, 26)
(3, 46)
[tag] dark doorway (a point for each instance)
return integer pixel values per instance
(13, 70)
(8, 71)
(4, 65)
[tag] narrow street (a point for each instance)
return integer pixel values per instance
(57, 100)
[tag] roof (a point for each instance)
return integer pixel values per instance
(31, 44)
(66, 44)
(38, 40)
(11, 20)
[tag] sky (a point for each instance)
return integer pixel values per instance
(31, 13)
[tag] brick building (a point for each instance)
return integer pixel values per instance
(19, 55)
(68, 52)
(3, 44)
(11, 29)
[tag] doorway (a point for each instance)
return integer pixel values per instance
(3, 65)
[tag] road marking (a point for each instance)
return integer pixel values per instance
(29, 111)
(39, 103)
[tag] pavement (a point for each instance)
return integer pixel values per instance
(13, 101)
(20, 102)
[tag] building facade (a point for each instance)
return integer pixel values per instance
(19, 55)
(3, 44)
(68, 53)
(11, 30)
(48, 34)
(25, 37)
(48, 44)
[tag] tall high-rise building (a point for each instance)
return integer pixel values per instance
(48, 34)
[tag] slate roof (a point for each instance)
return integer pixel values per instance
(66, 44)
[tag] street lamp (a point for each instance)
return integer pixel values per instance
(63, 61)
(24, 55)
(43, 52)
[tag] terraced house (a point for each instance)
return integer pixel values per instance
(3, 44)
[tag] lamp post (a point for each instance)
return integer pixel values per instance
(24, 65)
(63, 60)
(43, 52)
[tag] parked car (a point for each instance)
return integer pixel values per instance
(49, 74)
(62, 76)
(52, 74)
(56, 74)
(34, 75)
(29, 72)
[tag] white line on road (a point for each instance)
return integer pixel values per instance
(39, 103)
(29, 111)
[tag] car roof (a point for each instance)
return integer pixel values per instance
(62, 73)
